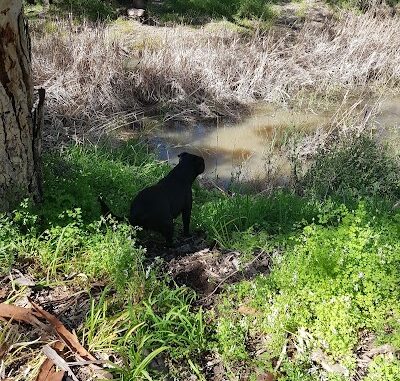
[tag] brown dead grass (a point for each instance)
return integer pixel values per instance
(92, 73)
(207, 70)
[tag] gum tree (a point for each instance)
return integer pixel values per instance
(20, 118)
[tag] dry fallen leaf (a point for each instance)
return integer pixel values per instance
(47, 371)
(70, 340)
(58, 360)
(21, 314)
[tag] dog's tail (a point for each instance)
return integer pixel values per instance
(106, 211)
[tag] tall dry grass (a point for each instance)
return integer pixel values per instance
(82, 72)
(97, 72)
(203, 71)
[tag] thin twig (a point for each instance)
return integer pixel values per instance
(281, 356)
(230, 275)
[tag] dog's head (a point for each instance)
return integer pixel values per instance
(196, 162)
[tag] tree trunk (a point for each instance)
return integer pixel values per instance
(20, 123)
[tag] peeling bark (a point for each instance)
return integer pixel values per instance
(20, 123)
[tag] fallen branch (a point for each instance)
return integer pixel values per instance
(47, 371)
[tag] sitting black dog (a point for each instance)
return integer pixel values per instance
(155, 207)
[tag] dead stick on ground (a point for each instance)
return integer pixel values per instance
(281, 356)
(230, 275)
(58, 360)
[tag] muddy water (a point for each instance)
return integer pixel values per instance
(235, 151)
(388, 123)
(242, 151)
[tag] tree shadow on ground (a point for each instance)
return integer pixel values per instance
(194, 12)
(200, 12)
(77, 175)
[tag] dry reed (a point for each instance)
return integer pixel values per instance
(96, 72)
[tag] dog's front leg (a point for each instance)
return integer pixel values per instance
(186, 213)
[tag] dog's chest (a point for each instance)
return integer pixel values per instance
(180, 199)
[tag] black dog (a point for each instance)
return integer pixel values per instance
(156, 207)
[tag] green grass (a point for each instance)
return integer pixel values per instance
(197, 11)
(230, 220)
(139, 314)
(335, 269)
(94, 10)
(101, 10)
(334, 282)
(187, 11)
(77, 176)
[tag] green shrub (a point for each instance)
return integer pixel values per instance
(231, 336)
(114, 256)
(99, 252)
(109, 255)
(354, 168)
(383, 368)
(8, 238)
(353, 265)
(296, 372)
(18, 233)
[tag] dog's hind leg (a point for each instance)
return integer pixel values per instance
(167, 230)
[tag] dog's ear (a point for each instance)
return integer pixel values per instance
(200, 166)
(182, 155)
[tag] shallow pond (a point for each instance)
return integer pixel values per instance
(243, 150)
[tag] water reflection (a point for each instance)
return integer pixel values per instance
(230, 149)
(244, 149)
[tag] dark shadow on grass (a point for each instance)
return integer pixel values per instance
(75, 177)
(200, 12)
